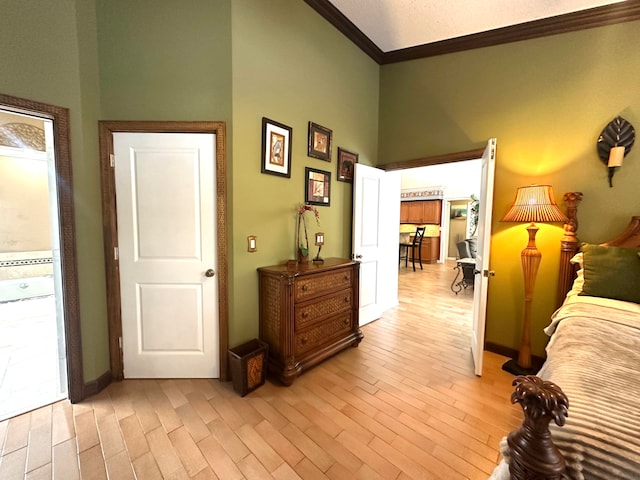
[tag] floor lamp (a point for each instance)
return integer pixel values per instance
(534, 203)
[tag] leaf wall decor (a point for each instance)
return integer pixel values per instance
(618, 133)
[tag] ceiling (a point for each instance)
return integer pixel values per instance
(398, 30)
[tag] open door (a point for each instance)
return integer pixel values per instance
(376, 216)
(482, 272)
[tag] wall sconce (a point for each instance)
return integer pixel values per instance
(319, 243)
(614, 143)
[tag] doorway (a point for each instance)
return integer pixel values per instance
(38, 287)
(115, 294)
(482, 272)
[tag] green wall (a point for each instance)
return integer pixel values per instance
(291, 66)
(48, 55)
(546, 100)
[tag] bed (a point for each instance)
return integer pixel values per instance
(582, 409)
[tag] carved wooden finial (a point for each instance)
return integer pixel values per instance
(568, 246)
(531, 450)
(571, 200)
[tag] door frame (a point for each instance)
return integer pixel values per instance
(110, 228)
(67, 232)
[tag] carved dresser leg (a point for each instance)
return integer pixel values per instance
(532, 452)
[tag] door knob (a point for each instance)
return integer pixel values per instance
(358, 257)
(209, 273)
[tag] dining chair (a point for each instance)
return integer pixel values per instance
(415, 247)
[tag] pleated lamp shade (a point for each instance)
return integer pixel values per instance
(534, 203)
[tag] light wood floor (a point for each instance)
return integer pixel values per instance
(405, 404)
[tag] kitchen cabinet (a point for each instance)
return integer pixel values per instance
(421, 211)
(430, 249)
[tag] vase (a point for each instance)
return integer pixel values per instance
(301, 257)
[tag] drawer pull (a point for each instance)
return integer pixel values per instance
(346, 299)
(305, 314)
(303, 340)
(305, 287)
(346, 321)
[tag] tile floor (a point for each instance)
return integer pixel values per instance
(29, 375)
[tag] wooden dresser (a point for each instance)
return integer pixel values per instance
(308, 312)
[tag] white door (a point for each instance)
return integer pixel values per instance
(376, 216)
(481, 283)
(165, 200)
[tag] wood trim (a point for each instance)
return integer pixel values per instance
(68, 252)
(435, 160)
(594, 17)
(336, 18)
(110, 227)
(630, 236)
(97, 385)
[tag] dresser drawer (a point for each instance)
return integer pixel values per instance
(308, 313)
(315, 285)
(323, 332)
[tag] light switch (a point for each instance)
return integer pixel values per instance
(252, 242)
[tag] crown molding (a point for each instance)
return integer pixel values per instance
(594, 17)
(344, 25)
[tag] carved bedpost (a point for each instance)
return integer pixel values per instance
(532, 454)
(568, 245)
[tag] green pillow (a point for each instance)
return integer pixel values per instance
(611, 272)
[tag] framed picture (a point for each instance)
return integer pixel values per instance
(317, 185)
(346, 162)
(276, 148)
(319, 142)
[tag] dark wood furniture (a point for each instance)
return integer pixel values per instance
(308, 312)
(421, 211)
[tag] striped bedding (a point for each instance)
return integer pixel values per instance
(594, 356)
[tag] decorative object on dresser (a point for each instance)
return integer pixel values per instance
(308, 312)
(319, 142)
(276, 148)
(346, 162)
(319, 244)
(614, 143)
(302, 250)
(534, 203)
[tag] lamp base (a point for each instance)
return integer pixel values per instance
(512, 367)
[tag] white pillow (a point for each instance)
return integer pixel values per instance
(578, 282)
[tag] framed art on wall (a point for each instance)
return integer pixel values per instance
(346, 162)
(317, 185)
(276, 148)
(319, 142)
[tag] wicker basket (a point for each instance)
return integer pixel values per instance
(248, 365)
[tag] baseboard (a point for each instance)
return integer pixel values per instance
(511, 353)
(97, 385)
